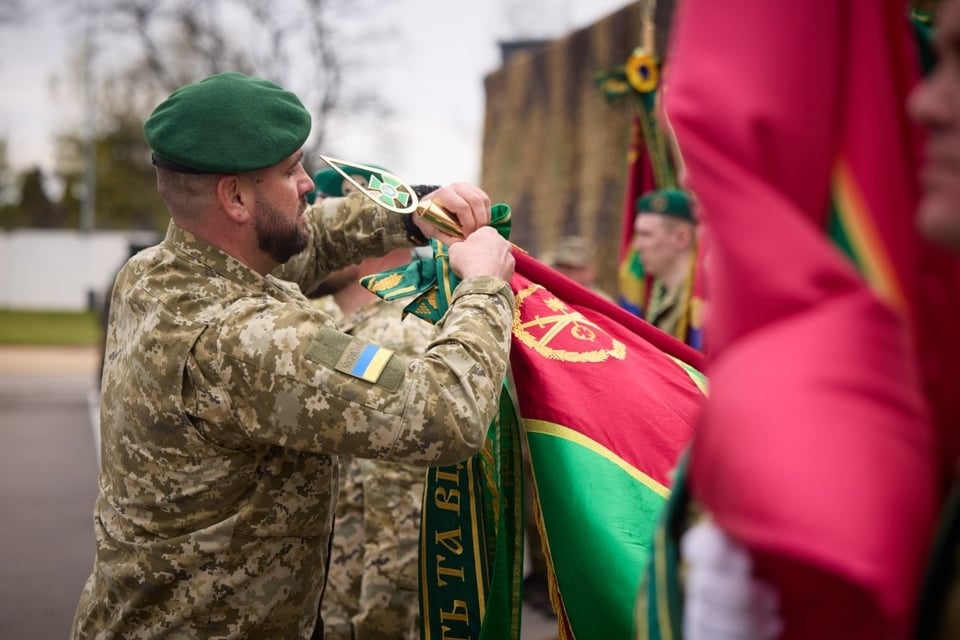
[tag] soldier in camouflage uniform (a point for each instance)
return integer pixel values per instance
(665, 236)
(372, 584)
(227, 396)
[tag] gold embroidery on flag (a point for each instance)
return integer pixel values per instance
(564, 334)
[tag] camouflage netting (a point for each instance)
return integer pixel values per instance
(554, 147)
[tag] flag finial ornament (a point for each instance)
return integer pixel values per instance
(393, 194)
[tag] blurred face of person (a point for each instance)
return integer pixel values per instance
(660, 241)
(279, 203)
(935, 104)
(580, 275)
(348, 187)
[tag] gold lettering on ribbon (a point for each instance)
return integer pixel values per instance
(449, 572)
(553, 335)
(450, 541)
(449, 500)
(446, 476)
(460, 614)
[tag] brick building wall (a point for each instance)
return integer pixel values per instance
(554, 148)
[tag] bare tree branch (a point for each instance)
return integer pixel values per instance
(12, 11)
(297, 43)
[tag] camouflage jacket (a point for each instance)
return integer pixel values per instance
(226, 396)
(666, 308)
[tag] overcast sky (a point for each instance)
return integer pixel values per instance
(438, 123)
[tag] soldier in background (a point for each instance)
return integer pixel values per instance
(576, 258)
(664, 235)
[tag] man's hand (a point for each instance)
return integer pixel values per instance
(469, 204)
(723, 599)
(483, 253)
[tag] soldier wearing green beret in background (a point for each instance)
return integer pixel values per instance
(226, 395)
(328, 183)
(664, 235)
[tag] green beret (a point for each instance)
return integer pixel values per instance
(226, 123)
(328, 182)
(668, 202)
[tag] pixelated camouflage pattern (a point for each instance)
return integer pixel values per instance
(219, 431)
(341, 599)
(372, 583)
(389, 594)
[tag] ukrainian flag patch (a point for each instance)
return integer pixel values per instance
(364, 360)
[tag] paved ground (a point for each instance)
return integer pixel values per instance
(47, 489)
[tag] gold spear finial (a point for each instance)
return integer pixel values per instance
(393, 194)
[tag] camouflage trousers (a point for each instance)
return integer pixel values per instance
(372, 587)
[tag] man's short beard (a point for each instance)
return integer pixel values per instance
(273, 238)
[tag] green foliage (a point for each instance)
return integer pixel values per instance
(36, 206)
(49, 328)
(126, 195)
(141, 51)
(8, 180)
(125, 191)
(12, 217)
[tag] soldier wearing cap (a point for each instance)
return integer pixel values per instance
(664, 235)
(576, 257)
(328, 183)
(227, 396)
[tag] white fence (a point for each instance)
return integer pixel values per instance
(61, 270)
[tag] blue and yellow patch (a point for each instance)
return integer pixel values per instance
(364, 360)
(357, 358)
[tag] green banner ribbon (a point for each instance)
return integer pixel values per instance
(660, 603)
(430, 282)
(471, 540)
(471, 527)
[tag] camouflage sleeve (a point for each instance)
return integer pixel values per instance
(343, 231)
(292, 380)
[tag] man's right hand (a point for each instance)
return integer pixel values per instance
(468, 204)
(482, 253)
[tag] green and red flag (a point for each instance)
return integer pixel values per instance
(824, 441)
(607, 404)
(633, 284)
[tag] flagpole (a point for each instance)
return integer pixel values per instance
(648, 36)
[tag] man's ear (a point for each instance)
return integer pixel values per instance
(685, 235)
(233, 199)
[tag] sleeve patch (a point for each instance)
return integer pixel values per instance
(357, 358)
(364, 361)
